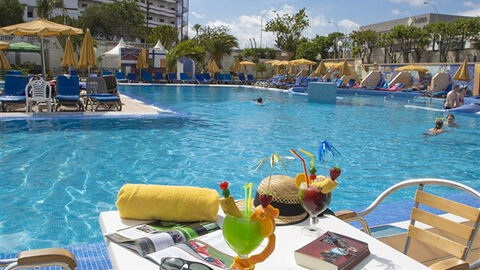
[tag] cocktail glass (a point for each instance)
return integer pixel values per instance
(242, 234)
(314, 202)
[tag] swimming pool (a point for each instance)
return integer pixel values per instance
(57, 175)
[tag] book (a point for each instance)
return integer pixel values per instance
(160, 239)
(332, 251)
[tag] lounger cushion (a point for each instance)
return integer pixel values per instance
(104, 98)
(172, 203)
(72, 98)
(12, 98)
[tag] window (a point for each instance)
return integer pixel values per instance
(30, 11)
(162, 6)
(172, 22)
(162, 20)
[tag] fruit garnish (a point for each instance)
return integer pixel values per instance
(265, 199)
(224, 188)
(299, 179)
(335, 172)
(313, 176)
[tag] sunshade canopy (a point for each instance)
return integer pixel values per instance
(302, 61)
(213, 67)
(142, 59)
(24, 47)
(40, 27)
(4, 45)
(159, 46)
(270, 62)
(344, 69)
(69, 59)
(87, 54)
(462, 73)
(236, 67)
(412, 68)
(281, 63)
(321, 70)
(115, 51)
(247, 63)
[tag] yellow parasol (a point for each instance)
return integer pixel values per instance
(281, 63)
(247, 63)
(213, 67)
(321, 70)
(412, 68)
(40, 28)
(462, 73)
(271, 62)
(344, 69)
(302, 61)
(4, 45)
(3, 61)
(69, 59)
(87, 54)
(142, 59)
(236, 67)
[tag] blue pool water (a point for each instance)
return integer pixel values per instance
(57, 175)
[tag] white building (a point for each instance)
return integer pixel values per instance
(168, 12)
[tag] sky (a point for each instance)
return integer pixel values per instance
(244, 17)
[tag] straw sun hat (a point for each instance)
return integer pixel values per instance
(284, 193)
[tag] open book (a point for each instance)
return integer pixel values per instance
(161, 239)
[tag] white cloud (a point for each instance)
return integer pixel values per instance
(411, 2)
(473, 9)
(318, 21)
(349, 25)
(198, 15)
(398, 12)
(469, 4)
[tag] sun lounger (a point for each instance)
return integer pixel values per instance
(172, 78)
(242, 79)
(68, 92)
(132, 77)
(220, 78)
(14, 72)
(208, 79)
(185, 78)
(73, 72)
(111, 83)
(201, 78)
(97, 95)
(227, 78)
(339, 82)
(106, 72)
(38, 91)
(147, 77)
(120, 76)
(159, 77)
(40, 258)
(14, 91)
(250, 79)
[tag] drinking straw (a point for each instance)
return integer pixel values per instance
(304, 166)
(246, 200)
(312, 157)
(250, 187)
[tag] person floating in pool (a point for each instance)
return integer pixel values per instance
(437, 129)
(451, 121)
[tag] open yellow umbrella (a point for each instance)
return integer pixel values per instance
(344, 69)
(3, 61)
(87, 54)
(320, 70)
(4, 45)
(271, 62)
(302, 61)
(40, 28)
(212, 67)
(281, 63)
(247, 63)
(69, 59)
(412, 68)
(462, 73)
(236, 67)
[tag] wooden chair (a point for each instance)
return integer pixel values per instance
(40, 258)
(451, 237)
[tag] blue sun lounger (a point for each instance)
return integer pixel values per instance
(201, 78)
(68, 92)
(132, 77)
(250, 79)
(172, 77)
(97, 94)
(207, 78)
(227, 78)
(14, 92)
(120, 76)
(185, 78)
(159, 77)
(147, 77)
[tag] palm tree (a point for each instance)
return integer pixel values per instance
(196, 27)
(217, 42)
(45, 8)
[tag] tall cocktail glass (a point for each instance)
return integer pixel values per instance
(314, 202)
(243, 235)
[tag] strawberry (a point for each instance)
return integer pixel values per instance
(335, 172)
(265, 199)
(313, 176)
(223, 185)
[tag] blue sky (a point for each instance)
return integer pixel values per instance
(243, 17)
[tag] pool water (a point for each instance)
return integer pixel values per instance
(56, 176)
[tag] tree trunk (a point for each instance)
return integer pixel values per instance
(405, 56)
(384, 55)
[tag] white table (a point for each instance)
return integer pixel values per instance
(289, 238)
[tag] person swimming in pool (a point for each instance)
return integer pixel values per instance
(451, 121)
(259, 100)
(437, 129)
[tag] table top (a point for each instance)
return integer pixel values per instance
(289, 239)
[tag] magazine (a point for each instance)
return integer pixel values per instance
(161, 239)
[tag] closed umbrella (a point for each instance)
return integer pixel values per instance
(344, 69)
(212, 67)
(40, 28)
(3, 61)
(87, 54)
(142, 59)
(320, 70)
(4, 45)
(236, 67)
(462, 73)
(69, 59)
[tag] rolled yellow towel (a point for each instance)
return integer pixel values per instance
(172, 203)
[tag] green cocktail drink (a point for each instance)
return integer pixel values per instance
(242, 234)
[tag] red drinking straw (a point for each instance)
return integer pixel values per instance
(304, 166)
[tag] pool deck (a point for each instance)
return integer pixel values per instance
(131, 107)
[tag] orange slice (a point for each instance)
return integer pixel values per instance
(299, 179)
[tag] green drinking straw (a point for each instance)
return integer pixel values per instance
(248, 198)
